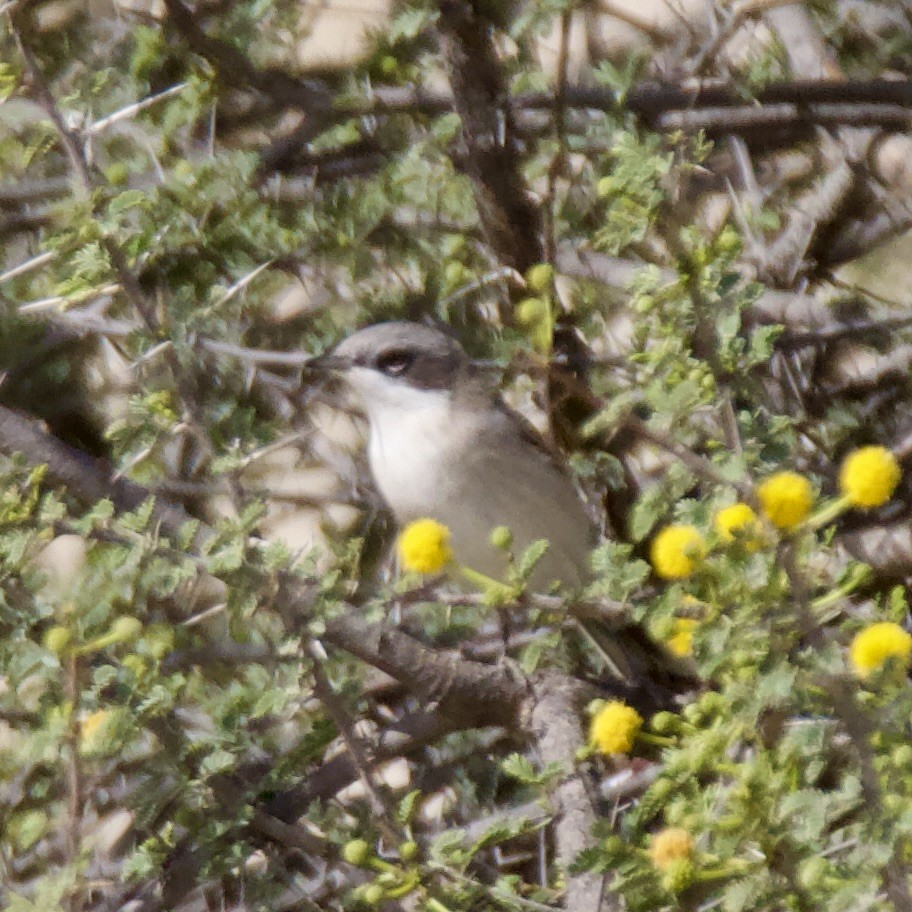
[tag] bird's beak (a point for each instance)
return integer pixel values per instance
(323, 364)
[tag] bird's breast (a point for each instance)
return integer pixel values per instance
(409, 455)
(430, 462)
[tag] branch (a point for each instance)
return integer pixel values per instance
(784, 257)
(474, 693)
(408, 736)
(807, 99)
(236, 70)
(181, 870)
(554, 721)
(85, 185)
(511, 221)
(86, 479)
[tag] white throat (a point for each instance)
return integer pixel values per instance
(411, 436)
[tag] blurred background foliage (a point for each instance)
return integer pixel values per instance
(675, 232)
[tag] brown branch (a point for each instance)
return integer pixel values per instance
(784, 257)
(554, 721)
(384, 815)
(881, 98)
(469, 693)
(408, 736)
(235, 69)
(472, 692)
(859, 236)
(181, 871)
(510, 219)
(887, 547)
(86, 479)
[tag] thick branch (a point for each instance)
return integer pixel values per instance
(473, 692)
(86, 479)
(236, 70)
(510, 219)
(554, 720)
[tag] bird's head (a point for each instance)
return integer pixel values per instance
(397, 366)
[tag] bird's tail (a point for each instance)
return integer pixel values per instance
(638, 664)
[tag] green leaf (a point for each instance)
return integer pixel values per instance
(530, 557)
(407, 806)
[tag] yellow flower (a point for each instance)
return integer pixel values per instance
(680, 643)
(676, 550)
(869, 476)
(874, 645)
(424, 546)
(786, 499)
(614, 728)
(739, 522)
(673, 844)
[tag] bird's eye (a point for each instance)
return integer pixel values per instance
(395, 363)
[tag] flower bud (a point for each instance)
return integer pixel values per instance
(812, 872)
(374, 894)
(606, 187)
(662, 789)
(135, 664)
(356, 852)
(531, 311)
(539, 277)
(57, 639)
(454, 274)
(665, 723)
(502, 538)
(692, 713)
(126, 628)
(613, 846)
(408, 851)
(158, 640)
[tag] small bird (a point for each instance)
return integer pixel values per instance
(444, 445)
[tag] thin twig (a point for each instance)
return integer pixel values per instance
(34, 262)
(560, 129)
(699, 465)
(383, 813)
(130, 110)
(257, 356)
(85, 186)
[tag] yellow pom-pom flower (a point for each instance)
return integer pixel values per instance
(424, 546)
(869, 476)
(786, 499)
(676, 551)
(876, 644)
(739, 523)
(673, 844)
(614, 728)
(680, 643)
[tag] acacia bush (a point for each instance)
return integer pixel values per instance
(677, 244)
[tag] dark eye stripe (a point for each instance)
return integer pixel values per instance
(395, 363)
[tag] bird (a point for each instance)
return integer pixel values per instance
(443, 445)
